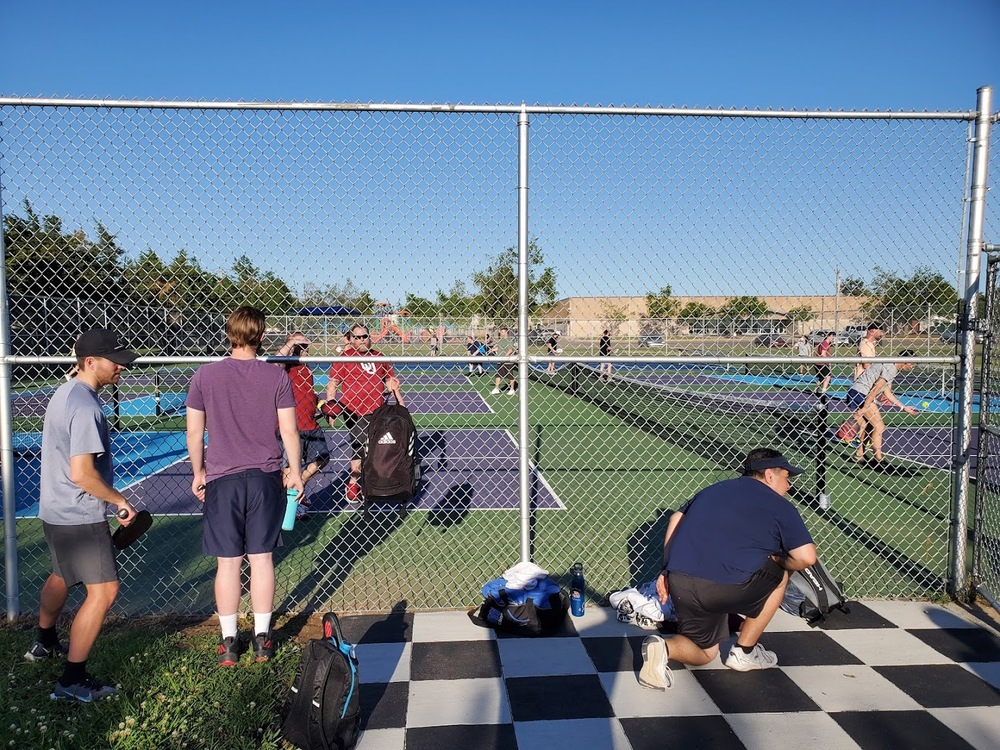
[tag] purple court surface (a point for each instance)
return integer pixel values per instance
(462, 469)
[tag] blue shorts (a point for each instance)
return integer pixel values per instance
(854, 399)
(314, 447)
(243, 514)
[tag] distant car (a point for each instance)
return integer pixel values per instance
(770, 340)
(816, 337)
(852, 334)
(541, 335)
(950, 335)
(651, 339)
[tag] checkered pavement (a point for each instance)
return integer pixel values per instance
(889, 675)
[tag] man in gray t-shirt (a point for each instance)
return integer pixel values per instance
(872, 388)
(76, 488)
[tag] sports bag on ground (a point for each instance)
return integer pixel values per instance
(533, 612)
(821, 593)
(322, 710)
(390, 467)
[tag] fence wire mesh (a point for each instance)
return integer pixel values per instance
(680, 236)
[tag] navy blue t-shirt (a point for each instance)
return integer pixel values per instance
(730, 528)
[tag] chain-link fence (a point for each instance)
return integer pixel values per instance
(706, 244)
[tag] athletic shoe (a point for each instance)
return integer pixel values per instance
(40, 652)
(646, 623)
(655, 673)
(263, 647)
(85, 691)
(495, 392)
(511, 392)
(354, 493)
(759, 658)
(229, 651)
(626, 612)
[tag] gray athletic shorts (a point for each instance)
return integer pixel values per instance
(82, 554)
(703, 606)
(314, 449)
(357, 426)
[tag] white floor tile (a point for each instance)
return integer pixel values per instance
(782, 622)
(447, 702)
(801, 730)
(382, 739)
(435, 627)
(880, 647)
(579, 734)
(918, 615)
(538, 657)
(979, 726)
(629, 699)
(384, 662)
(850, 688)
(602, 622)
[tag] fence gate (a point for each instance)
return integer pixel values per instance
(986, 544)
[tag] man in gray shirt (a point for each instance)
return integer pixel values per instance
(76, 487)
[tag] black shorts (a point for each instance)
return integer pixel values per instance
(243, 514)
(822, 372)
(703, 606)
(314, 448)
(506, 371)
(82, 553)
(357, 426)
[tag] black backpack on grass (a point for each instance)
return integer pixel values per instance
(322, 710)
(390, 467)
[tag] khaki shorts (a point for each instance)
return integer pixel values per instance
(82, 553)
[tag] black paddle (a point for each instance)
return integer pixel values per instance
(125, 535)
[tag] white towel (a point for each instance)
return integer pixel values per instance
(524, 576)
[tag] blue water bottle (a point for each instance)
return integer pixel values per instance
(577, 589)
(291, 505)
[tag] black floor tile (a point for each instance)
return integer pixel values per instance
(941, 685)
(566, 630)
(887, 730)
(859, 617)
(616, 654)
(962, 644)
(807, 649)
(579, 696)
(454, 660)
(687, 732)
(762, 691)
(395, 627)
(480, 737)
(384, 705)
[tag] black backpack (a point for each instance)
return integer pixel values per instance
(822, 593)
(390, 467)
(322, 710)
(538, 612)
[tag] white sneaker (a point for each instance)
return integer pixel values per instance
(655, 673)
(759, 658)
(495, 391)
(511, 392)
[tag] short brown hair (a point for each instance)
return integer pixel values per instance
(245, 326)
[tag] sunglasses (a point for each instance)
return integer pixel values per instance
(362, 336)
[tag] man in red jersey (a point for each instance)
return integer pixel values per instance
(362, 386)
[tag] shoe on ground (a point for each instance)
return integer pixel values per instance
(229, 651)
(511, 392)
(263, 647)
(646, 623)
(759, 658)
(40, 652)
(626, 612)
(354, 493)
(495, 392)
(86, 691)
(655, 673)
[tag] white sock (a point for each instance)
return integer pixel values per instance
(229, 625)
(261, 622)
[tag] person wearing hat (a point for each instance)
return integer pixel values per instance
(729, 549)
(77, 486)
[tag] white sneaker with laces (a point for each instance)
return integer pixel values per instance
(511, 392)
(655, 673)
(495, 391)
(759, 658)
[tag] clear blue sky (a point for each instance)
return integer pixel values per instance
(881, 54)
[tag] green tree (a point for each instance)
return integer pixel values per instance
(738, 308)
(853, 287)
(498, 284)
(801, 314)
(898, 300)
(661, 304)
(613, 316)
(346, 293)
(694, 310)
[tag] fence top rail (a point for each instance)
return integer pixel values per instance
(10, 101)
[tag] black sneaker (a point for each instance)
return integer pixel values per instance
(263, 647)
(87, 690)
(41, 652)
(229, 651)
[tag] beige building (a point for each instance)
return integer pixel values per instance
(587, 317)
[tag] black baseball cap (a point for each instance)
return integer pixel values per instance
(775, 462)
(100, 342)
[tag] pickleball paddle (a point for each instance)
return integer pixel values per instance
(126, 535)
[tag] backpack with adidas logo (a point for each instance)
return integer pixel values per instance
(390, 467)
(322, 710)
